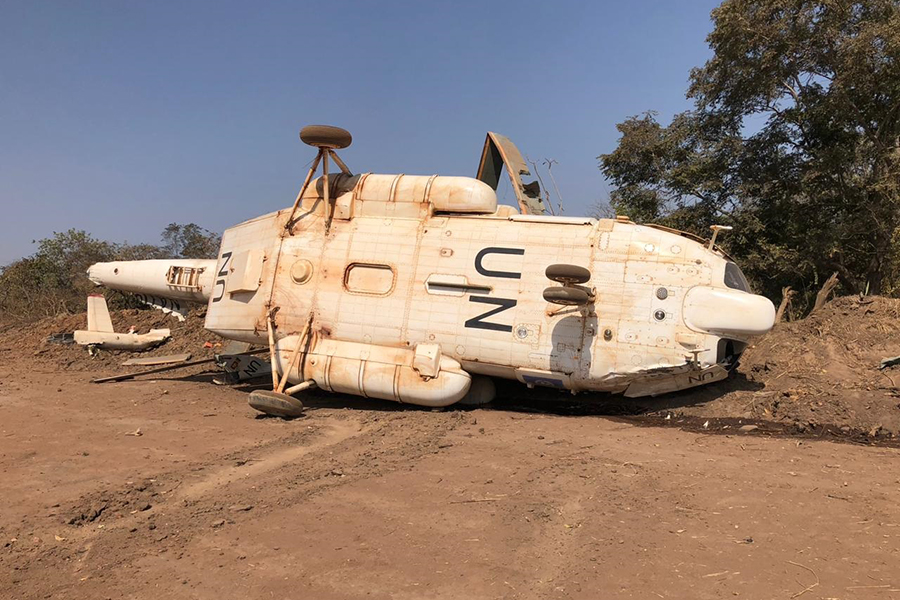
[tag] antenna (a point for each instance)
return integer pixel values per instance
(543, 187)
(716, 229)
(549, 162)
(327, 139)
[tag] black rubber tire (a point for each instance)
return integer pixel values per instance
(275, 404)
(567, 274)
(567, 296)
(325, 136)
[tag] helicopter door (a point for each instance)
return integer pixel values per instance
(500, 152)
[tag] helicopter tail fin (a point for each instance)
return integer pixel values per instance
(98, 314)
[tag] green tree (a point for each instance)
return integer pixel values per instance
(794, 139)
(190, 241)
(52, 280)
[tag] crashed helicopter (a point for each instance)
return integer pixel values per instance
(420, 289)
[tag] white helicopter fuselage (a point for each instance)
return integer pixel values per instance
(418, 283)
(406, 287)
(421, 289)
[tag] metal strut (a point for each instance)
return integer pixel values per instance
(321, 157)
(301, 339)
(326, 141)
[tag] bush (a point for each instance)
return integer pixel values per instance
(53, 280)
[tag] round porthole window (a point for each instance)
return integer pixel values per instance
(659, 315)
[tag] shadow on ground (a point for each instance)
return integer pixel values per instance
(662, 411)
(516, 397)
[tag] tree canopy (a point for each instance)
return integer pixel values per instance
(794, 139)
(190, 241)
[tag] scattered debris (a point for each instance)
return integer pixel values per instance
(61, 338)
(100, 332)
(808, 588)
(157, 360)
(492, 499)
(167, 367)
(137, 432)
(239, 364)
(889, 362)
(162, 369)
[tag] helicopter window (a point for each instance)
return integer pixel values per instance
(366, 278)
(734, 278)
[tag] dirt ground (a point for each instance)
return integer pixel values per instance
(174, 488)
(820, 371)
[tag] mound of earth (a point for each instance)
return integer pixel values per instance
(818, 371)
(28, 344)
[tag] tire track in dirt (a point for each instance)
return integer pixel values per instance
(333, 434)
(579, 508)
(110, 525)
(335, 448)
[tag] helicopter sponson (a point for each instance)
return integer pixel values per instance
(419, 289)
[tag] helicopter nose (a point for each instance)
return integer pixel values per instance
(727, 312)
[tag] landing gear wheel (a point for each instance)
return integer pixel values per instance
(275, 404)
(567, 296)
(482, 391)
(325, 136)
(567, 274)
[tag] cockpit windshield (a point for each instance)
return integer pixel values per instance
(735, 279)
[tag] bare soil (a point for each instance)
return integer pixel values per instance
(814, 374)
(29, 340)
(775, 484)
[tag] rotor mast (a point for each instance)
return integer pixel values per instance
(327, 139)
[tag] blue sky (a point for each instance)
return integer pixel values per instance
(121, 117)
